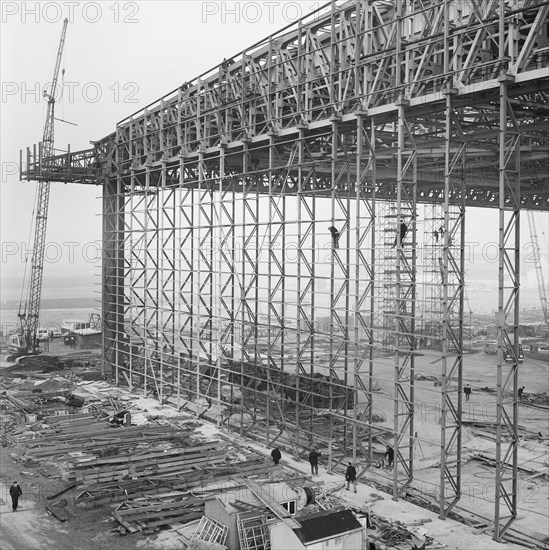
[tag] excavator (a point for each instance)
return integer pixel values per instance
(25, 341)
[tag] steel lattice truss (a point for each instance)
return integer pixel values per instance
(222, 285)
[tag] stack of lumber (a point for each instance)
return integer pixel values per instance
(139, 515)
(149, 464)
(60, 421)
(100, 495)
(94, 437)
(20, 404)
(107, 493)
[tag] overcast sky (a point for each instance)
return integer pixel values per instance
(118, 57)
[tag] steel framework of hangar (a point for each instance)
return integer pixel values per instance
(222, 285)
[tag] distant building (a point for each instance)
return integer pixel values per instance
(87, 338)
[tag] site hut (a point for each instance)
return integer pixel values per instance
(247, 516)
(87, 338)
(324, 530)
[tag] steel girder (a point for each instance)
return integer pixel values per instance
(348, 61)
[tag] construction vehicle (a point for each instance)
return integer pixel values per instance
(508, 355)
(25, 341)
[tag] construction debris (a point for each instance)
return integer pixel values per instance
(159, 468)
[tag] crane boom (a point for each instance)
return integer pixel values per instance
(537, 261)
(30, 317)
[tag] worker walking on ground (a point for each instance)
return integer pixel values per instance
(335, 236)
(350, 476)
(390, 456)
(521, 391)
(313, 461)
(15, 493)
(403, 230)
(467, 391)
(276, 455)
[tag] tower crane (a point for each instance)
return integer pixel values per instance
(25, 342)
(537, 261)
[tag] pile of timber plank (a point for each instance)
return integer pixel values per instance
(150, 464)
(60, 421)
(107, 493)
(140, 515)
(20, 404)
(94, 437)
(100, 495)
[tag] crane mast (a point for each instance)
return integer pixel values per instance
(537, 261)
(29, 318)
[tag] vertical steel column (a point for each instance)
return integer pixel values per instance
(200, 338)
(218, 243)
(405, 302)
(333, 258)
(112, 299)
(372, 272)
(301, 319)
(270, 277)
(364, 285)
(145, 274)
(112, 290)
(507, 320)
(452, 298)
(452, 272)
(243, 285)
(136, 249)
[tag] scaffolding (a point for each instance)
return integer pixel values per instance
(226, 291)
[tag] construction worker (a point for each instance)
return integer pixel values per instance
(313, 461)
(390, 456)
(403, 230)
(335, 236)
(350, 476)
(15, 493)
(276, 456)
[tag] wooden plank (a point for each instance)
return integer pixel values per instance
(180, 451)
(128, 526)
(57, 513)
(59, 493)
(157, 508)
(149, 516)
(186, 518)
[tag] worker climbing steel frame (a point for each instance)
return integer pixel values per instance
(209, 190)
(405, 297)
